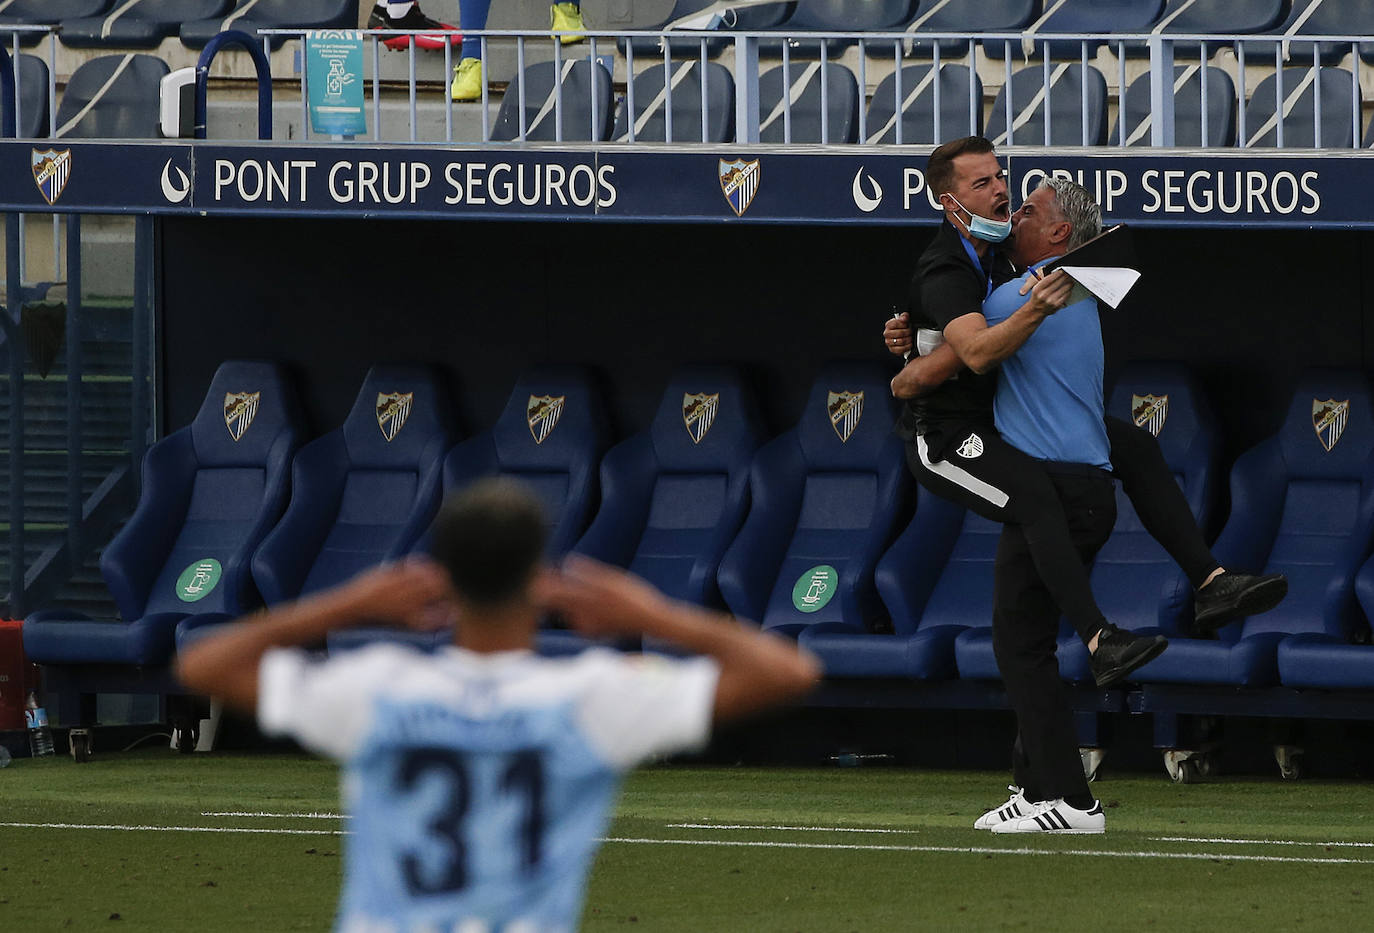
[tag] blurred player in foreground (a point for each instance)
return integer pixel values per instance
(481, 778)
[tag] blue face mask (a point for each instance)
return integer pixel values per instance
(991, 231)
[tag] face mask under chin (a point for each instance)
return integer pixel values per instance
(984, 228)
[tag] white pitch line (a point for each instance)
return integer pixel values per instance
(278, 816)
(182, 829)
(1259, 842)
(990, 850)
(799, 829)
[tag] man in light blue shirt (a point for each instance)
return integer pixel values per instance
(1049, 405)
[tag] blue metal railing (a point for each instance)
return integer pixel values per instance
(264, 73)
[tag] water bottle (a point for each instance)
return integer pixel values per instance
(40, 736)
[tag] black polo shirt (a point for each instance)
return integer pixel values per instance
(947, 285)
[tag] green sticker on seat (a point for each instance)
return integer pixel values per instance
(815, 588)
(197, 580)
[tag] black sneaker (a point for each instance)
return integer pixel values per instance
(1119, 652)
(1234, 596)
(413, 19)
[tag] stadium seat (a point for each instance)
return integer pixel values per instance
(1314, 18)
(804, 100)
(211, 492)
(1302, 503)
(550, 436)
(1340, 110)
(112, 97)
(47, 13)
(1081, 17)
(366, 491)
(1066, 105)
(964, 16)
(586, 103)
(827, 497)
(251, 15)
(1188, 109)
(840, 16)
(960, 103)
(1326, 661)
(672, 497)
(1203, 17)
(651, 105)
(32, 75)
(935, 582)
(141, 25)
(742, 19)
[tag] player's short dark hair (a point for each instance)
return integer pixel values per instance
(940, 165)
(490, 538)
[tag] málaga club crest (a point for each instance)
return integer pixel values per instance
(1329, 419)
(543, 413)
(393, 408)
(739, 182)
(240, 408)
(845, 410)
(51, 170)
(1149, 412)
(699, 413)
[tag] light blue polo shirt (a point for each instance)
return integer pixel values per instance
(1049, 400)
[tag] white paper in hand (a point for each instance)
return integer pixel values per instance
(1109, 283)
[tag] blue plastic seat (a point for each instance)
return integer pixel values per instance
(251, 15)
(366, 491)
(651, 105)
(1328, 19)
(1082, 17)
(1326, 661)
(827, 497)
(743, 19)
(1302, 503)
(966, 16)
(48, 13)
(673, 496)
(838, 16)
(31, 72)
(1203, 17)
(587, 108)
(960, 113)
(804, 100)
(1188, 109)
(112, 97)
(1340, 110)
(141, 26)
(1066, 106)
(211, 492)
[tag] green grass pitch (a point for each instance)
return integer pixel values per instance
(143, 841)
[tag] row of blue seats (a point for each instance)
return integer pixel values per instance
(145, 23)
(809, 533)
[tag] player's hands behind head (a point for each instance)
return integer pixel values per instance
(415, 592)
(598, 599)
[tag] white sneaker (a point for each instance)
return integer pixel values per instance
(1056, 816)
(1015, 808)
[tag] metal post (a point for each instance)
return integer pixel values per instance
(1161, 91)
(142, 340)
(376, 90)
(825, 94)
(15, 350)
(746, 89)
(75, 440)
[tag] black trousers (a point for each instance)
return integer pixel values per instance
(970, 464)
(1025, 626)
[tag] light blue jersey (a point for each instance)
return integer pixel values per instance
(1049, 400)
(480, 785)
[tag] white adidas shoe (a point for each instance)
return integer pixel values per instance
(1056, 816)
(1015, 808)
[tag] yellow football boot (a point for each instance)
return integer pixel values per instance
(565, 21)
(467, 80)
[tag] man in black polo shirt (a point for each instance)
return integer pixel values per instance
(955, 451)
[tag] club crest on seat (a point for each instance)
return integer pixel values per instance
(1150, 412)
(543, 413)
(240, 408)
(1329, 419)
(845, 410)
(699, 413)
(393, 408)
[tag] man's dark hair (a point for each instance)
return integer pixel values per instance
(940, 165)
(490, 538)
